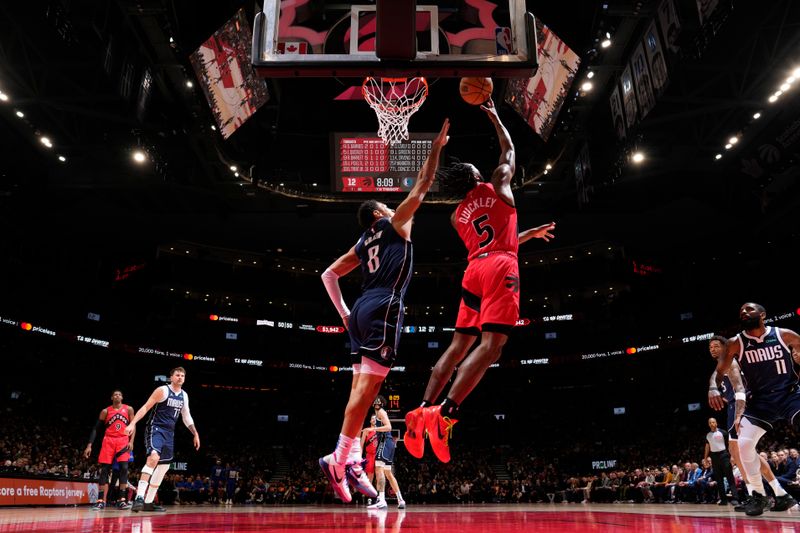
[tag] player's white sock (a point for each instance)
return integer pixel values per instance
(355, 452)
(141, 488)
(381, 496)
(343, 448)
(777, 488)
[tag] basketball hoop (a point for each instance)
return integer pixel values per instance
(394, 101)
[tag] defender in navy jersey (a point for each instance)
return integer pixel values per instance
(167, 402)
(766, 355)
(717, 346)
(385, 254)
(384, 457)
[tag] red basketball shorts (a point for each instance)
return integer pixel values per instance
(490, 294)
(112, 446)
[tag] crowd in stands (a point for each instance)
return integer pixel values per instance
(649, 471)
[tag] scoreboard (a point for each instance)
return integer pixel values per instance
(361, 162)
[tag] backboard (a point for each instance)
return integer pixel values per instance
(314, 38)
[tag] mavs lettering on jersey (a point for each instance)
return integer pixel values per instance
(166, 413)
(386, 258)
(767, 362)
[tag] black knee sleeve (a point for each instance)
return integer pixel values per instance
(105, 471)
(123, 473)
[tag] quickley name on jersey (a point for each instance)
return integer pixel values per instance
(166, 413)
(386, 258)
(767, 362)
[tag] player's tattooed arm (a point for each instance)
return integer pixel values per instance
(792, 340)
(715, 399)
(738, 387)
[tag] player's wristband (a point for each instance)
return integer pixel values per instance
(740, 396)
(713, 389)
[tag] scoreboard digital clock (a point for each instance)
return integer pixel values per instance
(363, 163)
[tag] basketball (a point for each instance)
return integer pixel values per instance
(476, 91)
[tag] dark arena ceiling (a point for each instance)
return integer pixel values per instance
(74, 70)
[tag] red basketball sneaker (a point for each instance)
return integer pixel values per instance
(439, 429)
(414, 438)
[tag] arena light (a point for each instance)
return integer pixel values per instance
(728, 146)
(733, 140)
(62, 159)
(773, 99)
(756, 116)
(590, 74)
(796, 72)
(587, 86)
(718, 156)
(3, 96)
(20, 114)
(189, 84)
(234, 168)
(785, 87)
(46, 141)
(548, 166)
(605, 43)
(637, 157)
(139, 157)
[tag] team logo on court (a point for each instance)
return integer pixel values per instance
(512, 282)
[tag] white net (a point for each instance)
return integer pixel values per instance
(394, 101)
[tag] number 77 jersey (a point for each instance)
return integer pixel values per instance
(486, 223)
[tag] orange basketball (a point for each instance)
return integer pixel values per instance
(475, 91)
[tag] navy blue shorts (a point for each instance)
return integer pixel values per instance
(161, 441)
(769, 408)
(385, 451)
(376, 321)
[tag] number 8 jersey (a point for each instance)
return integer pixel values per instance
(767, 363)
(386, 258)
(486, 223)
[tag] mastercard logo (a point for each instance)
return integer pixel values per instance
(27, 326)
(188, 356)
(213, 317)
(630, 351)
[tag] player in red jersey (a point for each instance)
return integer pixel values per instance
(486, 221)
(369, 439)
(116, 445)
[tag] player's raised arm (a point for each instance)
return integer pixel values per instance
(159, 395)
(501, 177)
(330, 278)
(401, 221)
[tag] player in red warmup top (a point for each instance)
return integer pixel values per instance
(116, 444)
(486, 220)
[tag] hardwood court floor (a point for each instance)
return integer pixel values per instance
(419, 518)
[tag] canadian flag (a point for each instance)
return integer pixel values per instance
(292, 48)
